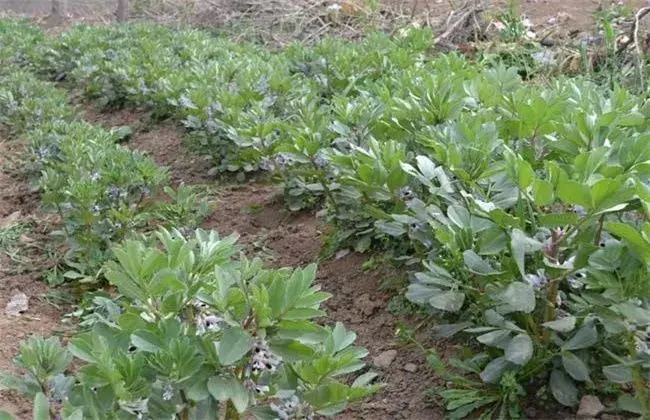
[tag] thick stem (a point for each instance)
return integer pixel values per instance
(551, 297)
(231, 411)
(185, 413)
(599, 232)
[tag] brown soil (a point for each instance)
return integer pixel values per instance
(18, 204)
(162, 141)
(255, 212)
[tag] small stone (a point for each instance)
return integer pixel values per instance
(341, 254)
(384, 360)
(590, 407)
(410, 367)
(18, 303)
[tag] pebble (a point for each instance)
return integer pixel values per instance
(385, 359)
(410, 367)
(590, 407)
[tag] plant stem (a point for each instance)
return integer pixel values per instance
(231, 411)
(185, 413)
(599, 232)
(551, 297)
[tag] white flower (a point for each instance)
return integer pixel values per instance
(263, 359)
(208, 323)
(169, 392)
(537, 280)
(576, 279)
(291, 408)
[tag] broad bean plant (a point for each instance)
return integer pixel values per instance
(199, 334)
(519, 208)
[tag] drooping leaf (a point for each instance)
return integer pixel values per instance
(517, 297)
(520, 245)
(520, 350)
(585, 337)
(619, 373)
(448, 301)
(575, 367)
(563, 388)
(498, 338)
(477, 265)
(566, 324)
(494, 370)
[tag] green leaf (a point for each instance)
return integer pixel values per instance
(426, 166)
(41, 407)
(341, 337)
(224, 389)
(517, 297)
(477, 265)
(634, 313)
(563, 388)
(292, 350)
(5, 415)
(520, 350)
(302, 313)
(494, 370)
(573, 192)
(566, 324)
(234, 344)
(520, 245)
(459, 216)
(629, 403)
(448, 301)
(619, 374)
(585, 337)
(558, 219)
(198, 391)
(498, 338)
(394, 229)
(146, 341)
(631, 236)
(364, 380)
(542, 192)
(526, 174)
(575, 366)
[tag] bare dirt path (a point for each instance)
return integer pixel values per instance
(23, 242)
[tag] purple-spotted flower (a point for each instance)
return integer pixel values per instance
(292, 408)
(262, 359)
(208, 323)
(406, 193)
(538, 279)
(168, 393)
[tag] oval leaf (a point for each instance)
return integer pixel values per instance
(41, 407)
(520, 350)
(566, 324)
(563, 389)
(575, 366)
(234, 344)
(448, 301)
(586, 336)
